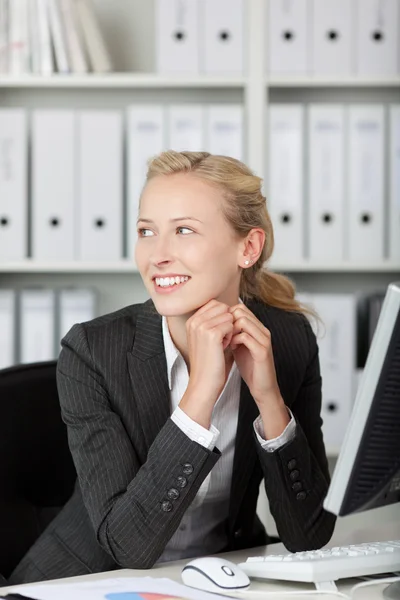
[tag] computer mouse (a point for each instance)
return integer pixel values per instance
(213, 574)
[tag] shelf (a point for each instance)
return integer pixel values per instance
(125, 266)
(277, 81)
(341, 267)
(120, 80)
(155, 80)
(31, 266)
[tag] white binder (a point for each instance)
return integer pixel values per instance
(13, 184)
(146, 138)
(326, 163)
(333, 37)
(74, 305)
(53, 185)
(18, 36)
(177, 36)
(224, 130)
(58, 36)
(377, 37)
(37, 325)
(45, 44)
(394, 189)
(222, 43)
(3, 36)
(337, 356)
(185, 124)
(7, 328)
(100, 185)
(285, 196)
(289, 36)
(366, 183)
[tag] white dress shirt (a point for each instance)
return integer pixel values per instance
(202, 528)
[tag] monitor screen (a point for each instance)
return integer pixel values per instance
(367, 473)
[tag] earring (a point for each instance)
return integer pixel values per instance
(246, 262)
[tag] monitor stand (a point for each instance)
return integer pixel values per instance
(392, 592)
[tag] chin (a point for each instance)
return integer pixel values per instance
(171, 307)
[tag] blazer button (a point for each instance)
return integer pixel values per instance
(292, 464)
(181, 481)
(166, 506)
(297, 486)
(187, 469)
(301, 496)
(173, 494)
(238, 533)
(294, 475)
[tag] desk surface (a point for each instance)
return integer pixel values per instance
(172, 570)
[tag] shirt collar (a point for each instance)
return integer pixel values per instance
(171, 351)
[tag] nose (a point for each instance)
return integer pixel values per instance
(162, 250)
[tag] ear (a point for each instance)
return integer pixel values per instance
(251, 247)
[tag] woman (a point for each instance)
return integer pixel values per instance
(177, 408)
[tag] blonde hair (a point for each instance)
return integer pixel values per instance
(244, 209)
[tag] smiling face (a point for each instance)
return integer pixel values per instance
(182, 232)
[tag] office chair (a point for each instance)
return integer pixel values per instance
(37, 474)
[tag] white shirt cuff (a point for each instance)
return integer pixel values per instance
(194, 431)
(286, 436)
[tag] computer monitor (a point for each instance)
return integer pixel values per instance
(367, 473)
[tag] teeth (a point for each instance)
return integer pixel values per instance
(169, 281)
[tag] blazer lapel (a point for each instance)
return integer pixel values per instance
(245, 445)
(245, 451)
(148, 373)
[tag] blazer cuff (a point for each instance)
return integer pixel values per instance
(273, 444)
(194, 431)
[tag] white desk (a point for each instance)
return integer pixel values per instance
(172, 570)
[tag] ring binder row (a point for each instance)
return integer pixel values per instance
(34, 320)
(84, 180)
(344, 339)
(44, 37)
(330, 196)
(328, 191)
(303, 37)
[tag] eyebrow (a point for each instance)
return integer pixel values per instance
(171, 220)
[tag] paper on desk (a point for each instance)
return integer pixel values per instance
(117, 588)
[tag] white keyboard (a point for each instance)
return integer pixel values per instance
(327, 564)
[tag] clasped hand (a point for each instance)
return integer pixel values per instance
(252, 350)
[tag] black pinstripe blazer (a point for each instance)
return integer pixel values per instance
(114, 396)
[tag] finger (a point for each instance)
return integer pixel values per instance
(217, 321)
(207, 312)
(240, 310)
(227, 340)
(261, 334)
(225, 330)
(247, 340)
(210, 305)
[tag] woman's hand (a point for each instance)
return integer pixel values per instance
(252, 351)
(209, 332)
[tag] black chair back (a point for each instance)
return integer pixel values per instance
(37, 474)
